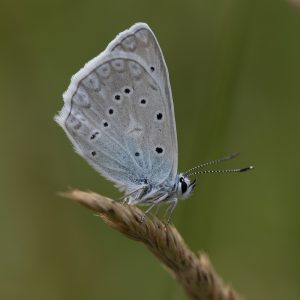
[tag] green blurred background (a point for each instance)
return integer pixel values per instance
(235, 69)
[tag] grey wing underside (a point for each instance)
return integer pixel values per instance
(119, 112)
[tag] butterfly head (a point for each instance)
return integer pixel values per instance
(185, 186)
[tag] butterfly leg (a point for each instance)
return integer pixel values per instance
(146, 212)
(126, 198)
(170, 210)
(158, 202)
(157, 209)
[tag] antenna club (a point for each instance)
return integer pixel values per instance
(247, 169)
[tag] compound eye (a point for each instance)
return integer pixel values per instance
(184, 187)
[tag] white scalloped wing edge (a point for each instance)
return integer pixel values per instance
(88, 68)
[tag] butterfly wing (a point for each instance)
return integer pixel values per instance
(140, 40)
(119, 114)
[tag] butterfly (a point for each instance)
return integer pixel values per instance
(118, 113)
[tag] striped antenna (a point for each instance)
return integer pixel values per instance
(212, 162)
(223, 171)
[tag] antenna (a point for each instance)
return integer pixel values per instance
(212, 162)
(222, 171)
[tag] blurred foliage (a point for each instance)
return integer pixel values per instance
(234, 67)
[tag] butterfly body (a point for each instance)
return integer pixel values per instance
(171, 191)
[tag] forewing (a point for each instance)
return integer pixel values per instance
(118, 118)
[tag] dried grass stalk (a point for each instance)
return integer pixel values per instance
(295, 3)
(193, 272)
